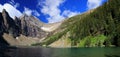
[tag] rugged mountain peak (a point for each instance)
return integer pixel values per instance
(7, 20)
(17, 22)
(8, 25)
(4, 11)
(24, 15)
(26, 25)
(16, 17)
(5, 14)
(32, 20)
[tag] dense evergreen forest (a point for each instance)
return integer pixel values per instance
(97, 27)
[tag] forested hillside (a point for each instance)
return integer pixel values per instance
(97, 27)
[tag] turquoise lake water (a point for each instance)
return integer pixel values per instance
(60, 52)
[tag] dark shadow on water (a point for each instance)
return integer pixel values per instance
(25, 52)
(112, 56)
(5, 50)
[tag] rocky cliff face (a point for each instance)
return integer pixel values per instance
(2, 41)
(8, 25)
(25, 25)
(28, 26)
(31, 26)
(1, 24)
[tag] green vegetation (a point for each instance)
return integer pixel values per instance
(53, 38)
(92, 41)
(97, 27)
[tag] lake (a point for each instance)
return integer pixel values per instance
(59, 52)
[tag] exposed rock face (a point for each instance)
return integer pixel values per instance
(31, 26)
(28, 26)
(2, 41)
(18, 23)
(25, 25)
(8, 24)
(1, 24)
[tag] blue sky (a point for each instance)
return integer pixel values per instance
(49, 11)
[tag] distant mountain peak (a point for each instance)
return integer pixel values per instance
(4, 10)
(5, 13)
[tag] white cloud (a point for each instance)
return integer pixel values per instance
(1, 8)
(27, 11)
(12, 11)
(13, 3)
(91, 4)
(16, 5)
(51, 8)
(35, 13)
(30, 12)
(55, 18)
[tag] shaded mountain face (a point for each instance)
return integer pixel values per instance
(8, 25)
(25, 25)
(28, 26)
(98, 27)
(31, 26)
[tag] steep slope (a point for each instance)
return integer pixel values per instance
(12, 29)
(98, 27)
(31, 26)
(50, 27)
(23, 30)
(7, 25)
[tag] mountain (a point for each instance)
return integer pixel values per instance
(7, 25)
(23, 30)
(96, 28)
(31, 26)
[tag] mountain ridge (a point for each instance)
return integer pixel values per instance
(28, 26)
(97, 28)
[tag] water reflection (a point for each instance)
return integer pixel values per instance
(26, 52)
(4, 51)
(112, 55)
(59, 52)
